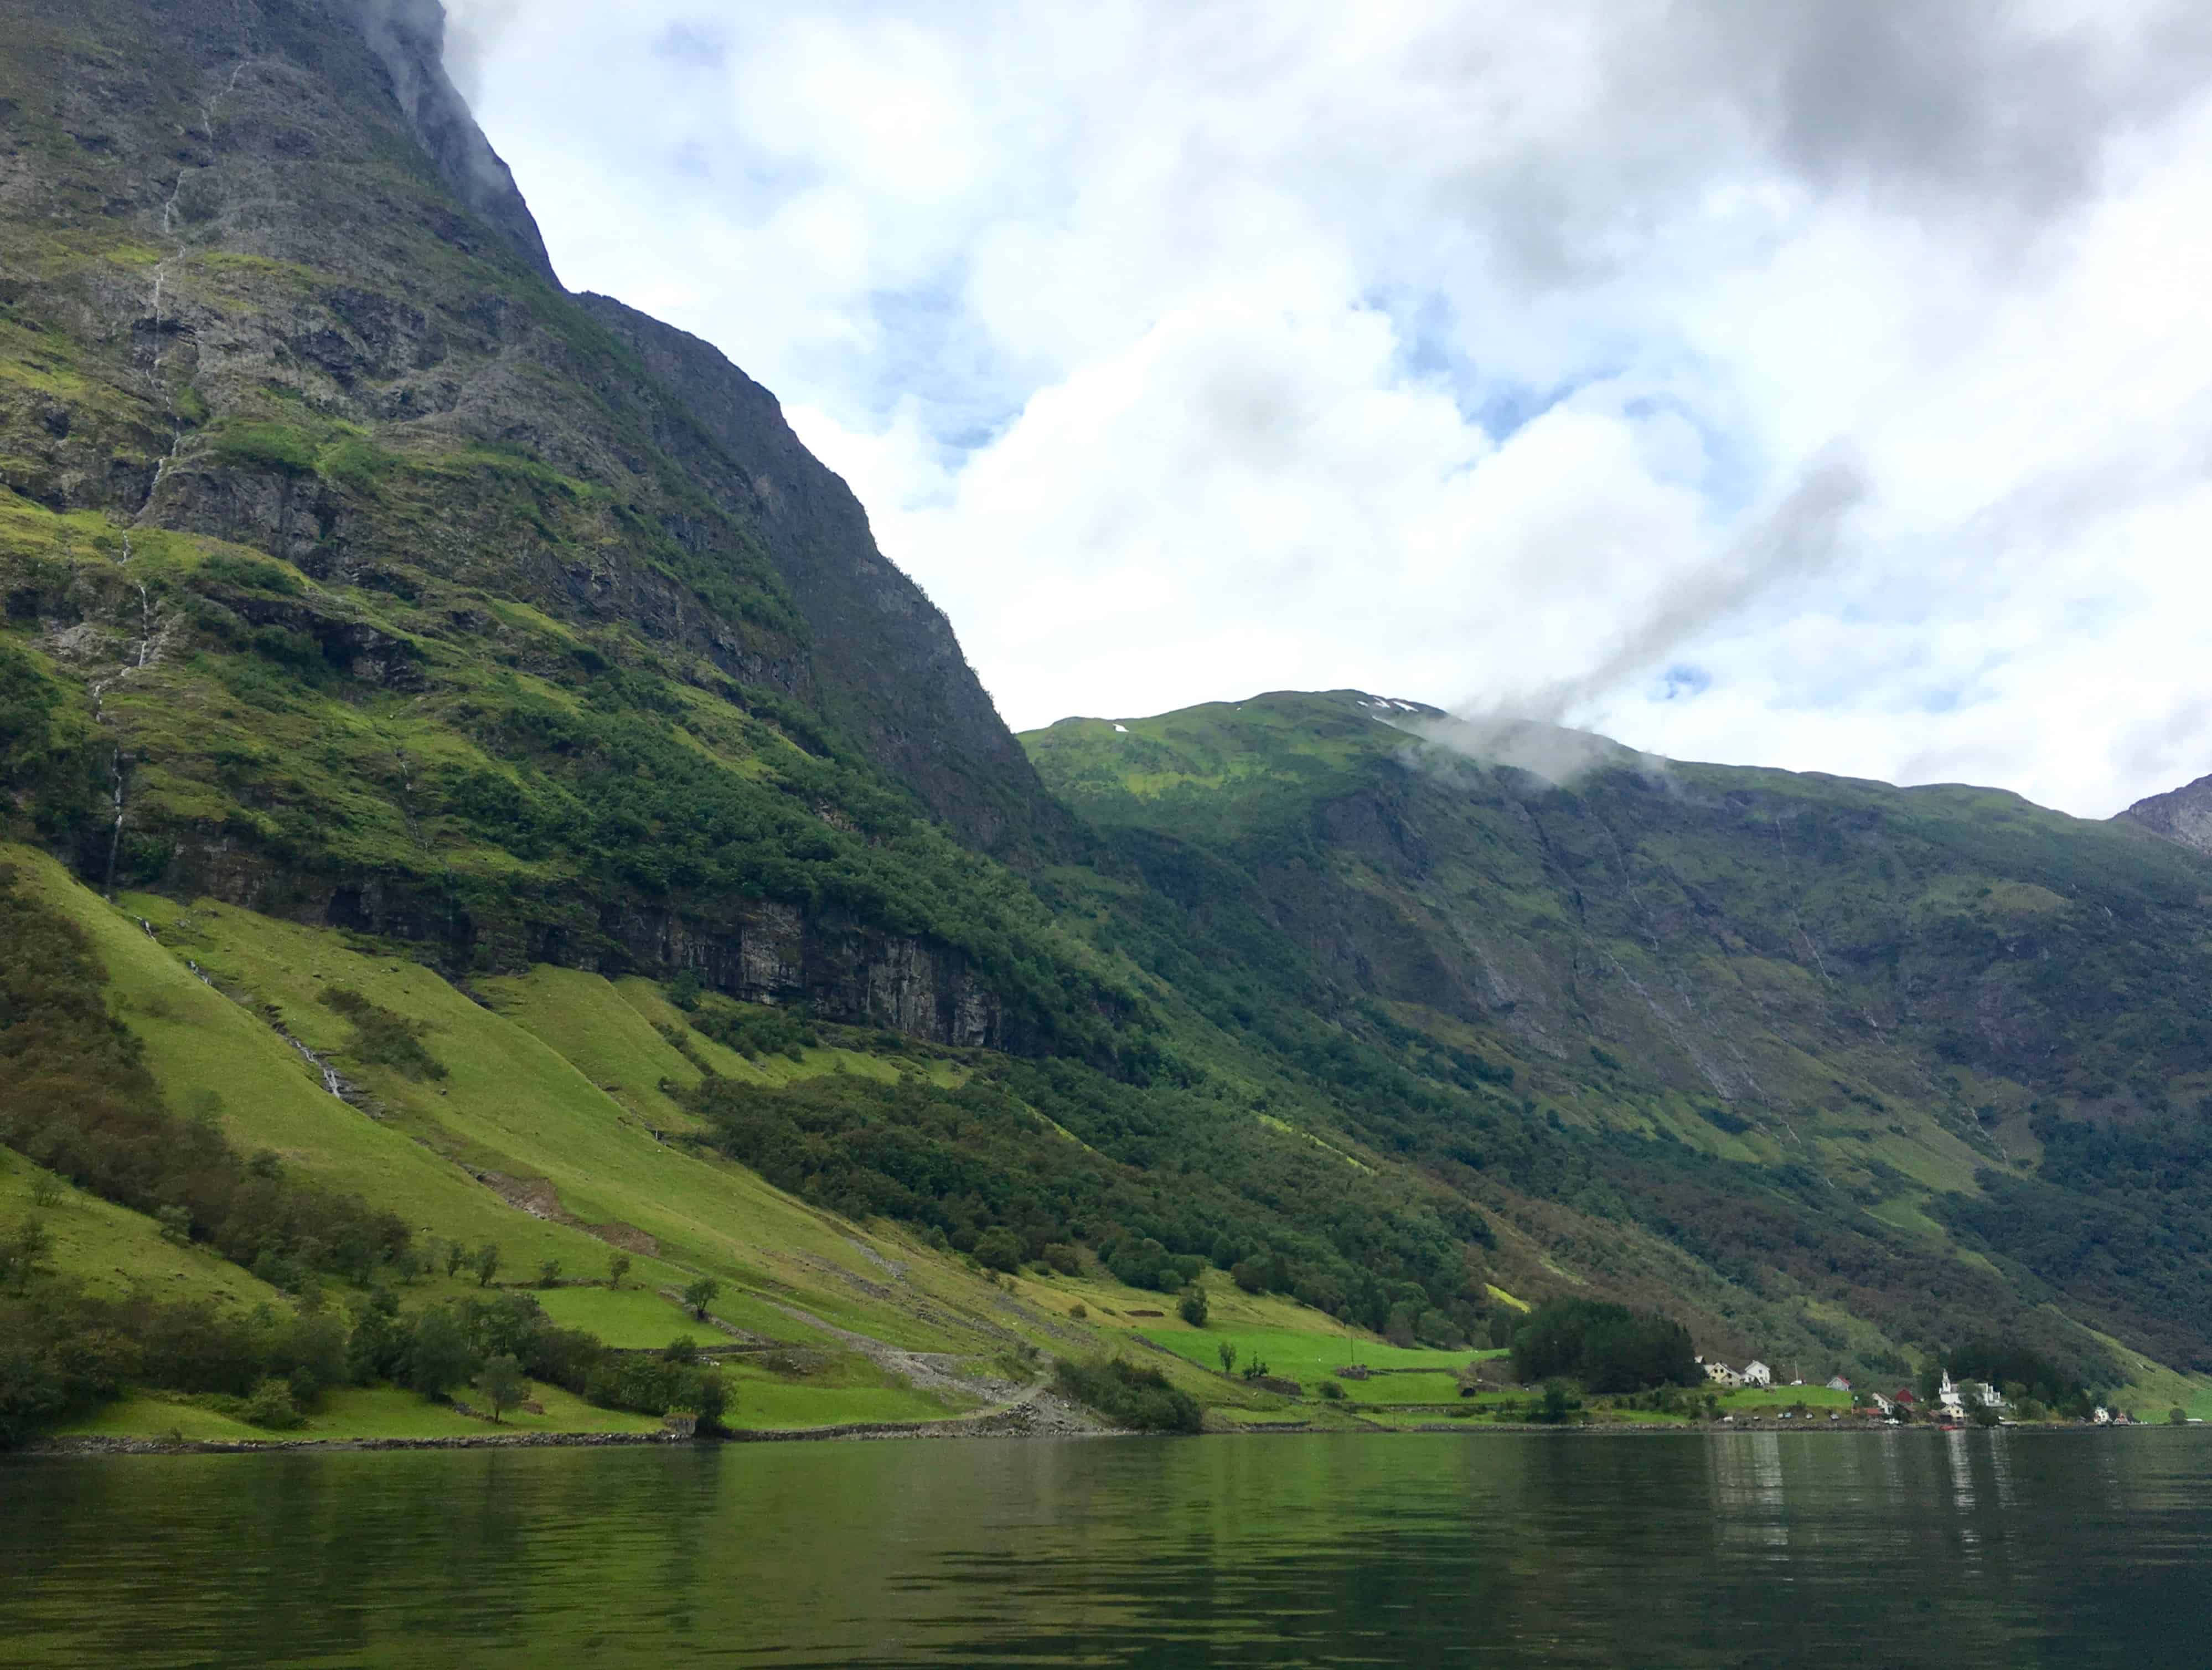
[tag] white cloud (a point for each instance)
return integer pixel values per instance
(1463, 352)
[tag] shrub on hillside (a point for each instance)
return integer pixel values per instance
(383, 1038)
(1139, 1399)
(1062, 1257)
(999, 1248)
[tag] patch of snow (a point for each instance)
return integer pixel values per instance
(1124, 729)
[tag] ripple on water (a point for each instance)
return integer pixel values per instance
(1897, 1549)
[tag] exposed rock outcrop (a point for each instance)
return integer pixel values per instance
(2182, 814)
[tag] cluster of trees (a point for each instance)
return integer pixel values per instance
(2035, 1386)
(2118, 1216)
(63, 1350)
(77, 1098)
(753, 1030)
(1138, 1398)
(1604, 1347)
(1160, 1182)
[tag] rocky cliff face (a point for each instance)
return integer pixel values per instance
(335, 538)
(409, 40)
(2183, 814)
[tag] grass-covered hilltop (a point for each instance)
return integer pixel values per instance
(513, 916)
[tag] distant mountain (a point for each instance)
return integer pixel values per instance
(1755, 1010)
(2182, 815)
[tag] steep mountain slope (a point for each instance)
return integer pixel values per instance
(357, 573)
(888, 669)
(1938, 1018)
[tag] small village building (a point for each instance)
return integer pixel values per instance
(1882, 1404)
(1839, 1383)
(1954, 1401)
(1757, 1374)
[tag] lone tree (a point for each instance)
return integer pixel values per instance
(1227, 1353)
(618, 1267)
(23, 1254)
(708, 1395)
(548, 1273)
(438, 1355)
(485, 1263)
(700, 1295)
(456, 1255)
(1192, 1306)
(501, 1385)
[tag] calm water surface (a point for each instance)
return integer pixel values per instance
(1895, 1549)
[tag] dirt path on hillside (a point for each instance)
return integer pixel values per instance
(1033, 1408)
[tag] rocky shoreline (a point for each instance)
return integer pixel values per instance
(1026, 1422)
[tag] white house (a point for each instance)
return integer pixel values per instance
(1883, 1404)
(2103, 1417)
(1987, 1395)
(1757, 1374)
(1839, 1384)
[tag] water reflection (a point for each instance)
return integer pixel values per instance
(1899, 1549)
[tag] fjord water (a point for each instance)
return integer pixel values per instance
(1901, 1549)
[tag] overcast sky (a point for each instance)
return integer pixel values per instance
(1824, 385)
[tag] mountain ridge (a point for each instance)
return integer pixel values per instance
(2182, 816)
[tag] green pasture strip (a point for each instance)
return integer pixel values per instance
(381, 1411)
(630, 1319)
(581, 1017)
(1297, 1356)
(846, 1388)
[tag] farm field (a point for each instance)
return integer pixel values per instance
(1305, 1355)
(380, 1412)
(629, 1319)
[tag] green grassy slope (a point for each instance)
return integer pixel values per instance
(110, 1250)
(515, 1146)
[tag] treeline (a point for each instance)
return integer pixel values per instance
(75, 1098)
(1159, 1182)
(63, 1351)
(1607, 1348)
(2119, 1217)
(2024, 1376)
